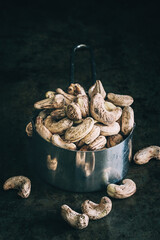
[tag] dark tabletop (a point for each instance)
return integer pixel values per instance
(35, 43)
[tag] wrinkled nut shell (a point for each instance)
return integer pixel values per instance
(127, 189)
(110, 130)
(58, 114)
(75, 89)
(42, 130)
(114, 140)
(23, 184)
(97, 211)
(83, 102)
(98, 143)
(144, 155)
(59, 142)
(120, 100)
(74, 219)
(127, 120)
(92, 135)
(97, 88)
(74, 134)
(74, 112)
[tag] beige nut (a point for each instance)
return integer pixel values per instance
(109, 130)
(75, 89)
(92, 135)
(74, 219)
(23, 184)
(73, 112)
(120, 100)
(57, 101)
(109, 106)
(98, 143)
(127, 189)
(83, 102)
(50, 94)
(58, 114)
(99, 112)
(74, 134)
(57, 127)
(144, 155)
(97, 88)
(42, 130)
(59, 142)
(67, 96)
(97, 211)
(127, 121)
(29, 129)
(114, 140)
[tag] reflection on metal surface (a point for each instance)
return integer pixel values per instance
(52, 163)
(110, 175)
(130, 149)
(87, 165)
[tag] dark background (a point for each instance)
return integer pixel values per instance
(36, 38)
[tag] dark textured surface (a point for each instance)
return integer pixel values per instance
(35, 44)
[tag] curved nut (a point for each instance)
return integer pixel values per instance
(109, 106)
(92, 135)
(57, 127)
(114, 140)
(127, 189)
(144, 155)
(29, 129)
(98, 143)
(57, 101)
(73, 218)
(74, 134)
(50, 94)
(96, 211)
(127, 120)
(74, 112)
(58, 141)
(42, 130)
(66, 95)
(75, 89)
(23, 184)
(51, 163)
(97, 88)
(120, 100)
(110, 130)
(99, 112)
(83, 102)
(58, 113)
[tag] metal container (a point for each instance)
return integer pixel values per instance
(79, 171)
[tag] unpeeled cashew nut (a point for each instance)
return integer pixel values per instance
(58, 114)
(74, 134)
(42, 130)
(97, 88)
(127, 189)
(75, 89)
(83, 102)
(73, 112)
(23, 184)
(127, 120)
(120, 100)
(114, 140)
(58, 141)
(57, 127)
(144, 155)
(73, 218)
(92, 135)
(96, 211)
(66, 95)
(29, 129)
(98, 143)
(58, 101)
(110, 130)
(99, 112)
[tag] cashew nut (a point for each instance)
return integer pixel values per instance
(29, 129)
(92, 135)
(97, 88)
(120, 100)
(57, 101)
(96, 211)
(58, 141)
(114, 140)
(98, 143)
(109, 106)
(73, 218)
(127, 189)
(58, 114)
(99, 112)
(42, 130)
(83, 102)
(110, 130)
(127, 120)
(23, 184)
(74, 134)
(144, 155)
(74, 112)
(75, 89)
(57, 127)
(50, 94)
(67, 96)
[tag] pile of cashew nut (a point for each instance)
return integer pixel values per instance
(86, 122)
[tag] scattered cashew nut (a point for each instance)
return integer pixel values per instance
(23, 184)
(144, 155)
(96, 211)
(127, 189)
(74, 219)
